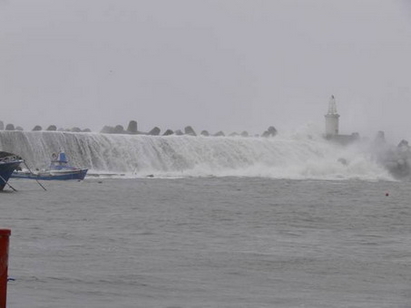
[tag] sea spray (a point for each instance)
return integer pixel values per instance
(295, 156)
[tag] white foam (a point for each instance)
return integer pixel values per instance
(287, 156)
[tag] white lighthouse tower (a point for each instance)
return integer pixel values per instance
(331, 119)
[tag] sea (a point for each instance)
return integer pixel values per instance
(181, 222)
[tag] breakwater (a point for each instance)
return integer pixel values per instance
(285, 156)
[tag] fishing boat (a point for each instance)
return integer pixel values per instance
(9, 162)
(59, 169)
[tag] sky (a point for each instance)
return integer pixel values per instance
(230, 65)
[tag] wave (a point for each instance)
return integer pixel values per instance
(295, 156)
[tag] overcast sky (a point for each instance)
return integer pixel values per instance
(228, 65)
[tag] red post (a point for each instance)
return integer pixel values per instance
(4, 264)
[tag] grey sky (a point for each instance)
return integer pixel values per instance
(228, 65)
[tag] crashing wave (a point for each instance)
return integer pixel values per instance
(295, 156)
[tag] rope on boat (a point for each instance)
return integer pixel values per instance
(6, 183)
(33, 174)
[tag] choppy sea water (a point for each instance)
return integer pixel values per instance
(208, 242)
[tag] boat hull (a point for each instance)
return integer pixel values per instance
(6, 170)
(60, 175)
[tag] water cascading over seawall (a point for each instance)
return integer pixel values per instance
(294, 157)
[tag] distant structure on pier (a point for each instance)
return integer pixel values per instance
(331, 118)
(332, 125)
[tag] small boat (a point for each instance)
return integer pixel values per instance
(9, 162)
(59, 169)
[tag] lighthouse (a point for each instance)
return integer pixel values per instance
(331, 119)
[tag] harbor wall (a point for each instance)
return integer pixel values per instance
(294, 156)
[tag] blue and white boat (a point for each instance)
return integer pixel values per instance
(9, 162)
(59, 169)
